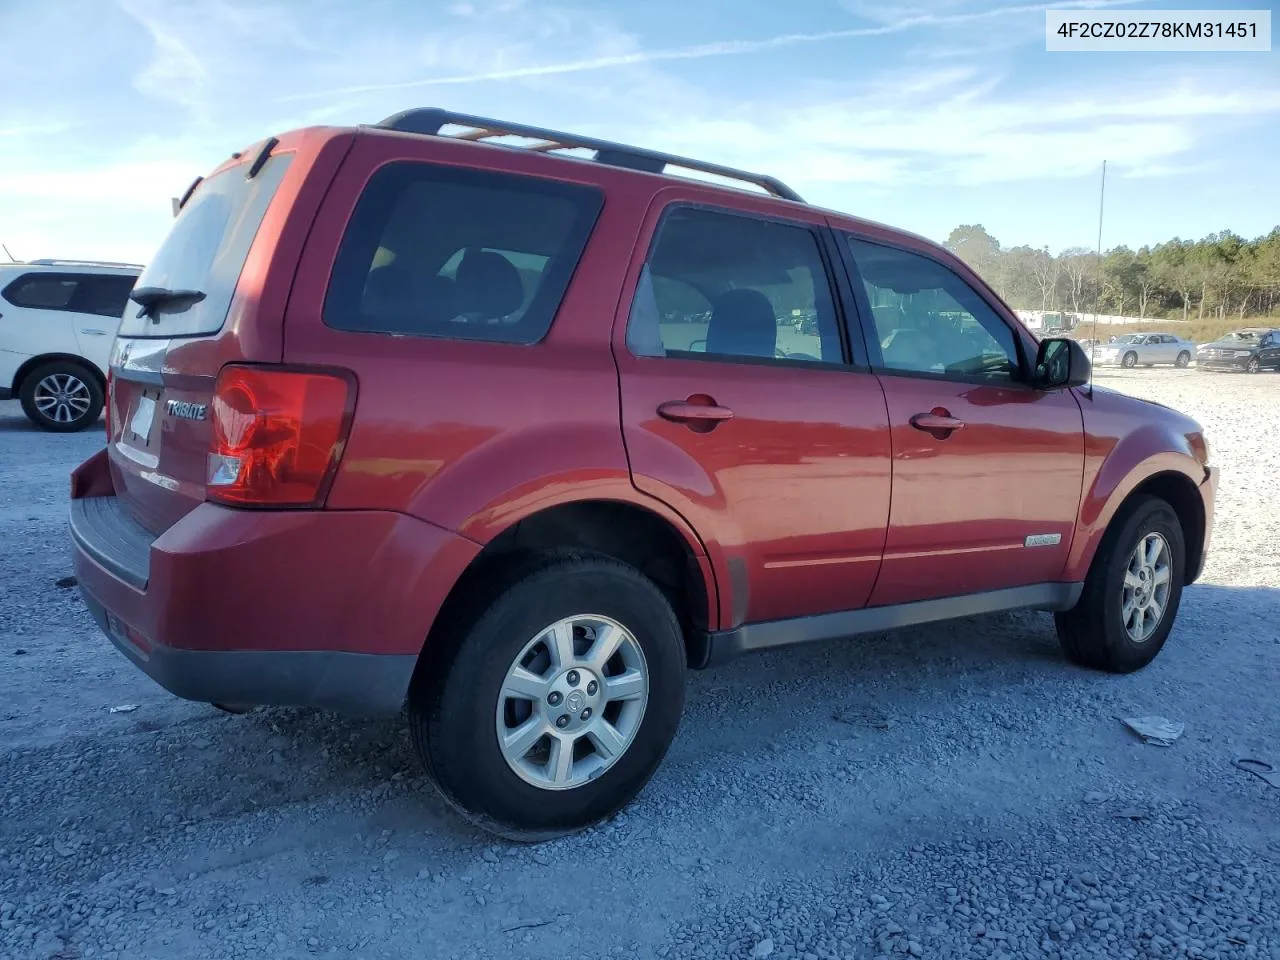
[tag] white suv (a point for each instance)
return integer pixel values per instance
(58, 319)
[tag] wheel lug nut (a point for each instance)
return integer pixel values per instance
(586, 714)
(572, 677)
(562, 720)
(554, 698)
(592, 687)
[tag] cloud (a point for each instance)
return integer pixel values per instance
(920, 112)
(722, 48)
(965, 127)
(33, 129)
(175, 72)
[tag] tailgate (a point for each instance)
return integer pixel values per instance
(195, 308)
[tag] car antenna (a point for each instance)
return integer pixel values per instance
(12, 258)
(1097, 293)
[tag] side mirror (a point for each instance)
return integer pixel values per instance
(1061, 362)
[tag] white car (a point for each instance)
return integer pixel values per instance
(1146, 349)
(58, 319)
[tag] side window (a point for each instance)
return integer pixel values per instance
(723, 286)
(927, 320)
(42, 291)
(464, 254)
(103, 294)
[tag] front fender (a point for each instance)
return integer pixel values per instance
(1114, 468)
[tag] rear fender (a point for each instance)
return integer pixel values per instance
(520, 474)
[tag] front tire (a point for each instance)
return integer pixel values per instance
(1254, 366)
(1131, 594)
(562, 694)
(1184, 359)
(1130, 361)
(61, 397)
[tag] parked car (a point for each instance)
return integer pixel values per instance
(57, 321)
(1250, 349)
(355, 463)
(1146, 349)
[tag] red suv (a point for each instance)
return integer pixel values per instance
(513, 427)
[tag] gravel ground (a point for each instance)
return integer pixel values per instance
(957, 791)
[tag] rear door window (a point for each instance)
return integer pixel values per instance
(42, 291)
(721, 286)
(465, 254)
(205, 251)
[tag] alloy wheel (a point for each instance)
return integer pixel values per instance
(572, 702)
(1147, 580)
(62, 398)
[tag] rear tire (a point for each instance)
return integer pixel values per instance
(1184, 360)
(62, 396)
(466, 721)
(1113, 628)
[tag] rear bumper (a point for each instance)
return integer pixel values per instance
(292, 608)
(361, 683)
(6, 393)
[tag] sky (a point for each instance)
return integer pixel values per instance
(923, 114)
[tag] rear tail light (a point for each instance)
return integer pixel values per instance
(277, 435)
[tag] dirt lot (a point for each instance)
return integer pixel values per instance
(957, 791)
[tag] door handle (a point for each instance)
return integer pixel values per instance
(938, 422)
(94, 332)
(697, 412)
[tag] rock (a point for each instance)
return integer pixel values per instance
(762, 949)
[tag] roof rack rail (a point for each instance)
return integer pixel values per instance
(429, 121)
(54, 262)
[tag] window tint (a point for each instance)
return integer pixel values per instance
(106, 295)
(728, 286)
(927, 320)
(441, 252)
(205, 250)
(42, 291)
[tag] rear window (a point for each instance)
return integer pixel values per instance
(206, 250)
(464, 254)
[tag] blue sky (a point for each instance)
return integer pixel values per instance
(924, 114)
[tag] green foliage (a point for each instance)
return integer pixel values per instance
(1220, 281)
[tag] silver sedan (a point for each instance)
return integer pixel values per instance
(1146, 349)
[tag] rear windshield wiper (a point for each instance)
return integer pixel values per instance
(152, 297)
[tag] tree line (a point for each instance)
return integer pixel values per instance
(1223, 277)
